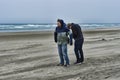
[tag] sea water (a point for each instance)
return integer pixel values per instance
(51, 27)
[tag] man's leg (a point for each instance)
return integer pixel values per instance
(60, 54)
(64, 51)
(76, 50)
(81, 51)
(81, 55)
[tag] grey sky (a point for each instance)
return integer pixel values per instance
(44, 11)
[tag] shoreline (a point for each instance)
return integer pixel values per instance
(49, 31)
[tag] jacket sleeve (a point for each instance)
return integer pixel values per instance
(69, 32)
(55, 36)
(70, 37)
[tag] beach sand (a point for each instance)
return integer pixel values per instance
(34, 56)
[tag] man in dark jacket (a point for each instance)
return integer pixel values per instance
(79, 39)
(61, 38)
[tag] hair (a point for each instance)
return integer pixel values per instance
(61, 22)
(69, 24)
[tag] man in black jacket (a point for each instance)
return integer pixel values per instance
(79, 40)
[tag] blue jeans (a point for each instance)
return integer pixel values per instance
(62, 50)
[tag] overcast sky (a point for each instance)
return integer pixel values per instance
(47, 11)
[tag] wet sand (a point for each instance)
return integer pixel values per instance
(33, 56)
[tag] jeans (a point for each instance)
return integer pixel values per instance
(78, 50)
(62, 50)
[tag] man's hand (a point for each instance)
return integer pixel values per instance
(55, 37)
(71, 44)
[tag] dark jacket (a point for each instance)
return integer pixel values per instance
(77, 32)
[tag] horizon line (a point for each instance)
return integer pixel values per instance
(55, 23)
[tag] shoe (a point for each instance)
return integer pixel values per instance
(66, 65)
(60, 64)
(78, 62)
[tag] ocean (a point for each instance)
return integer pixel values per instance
(51, 27)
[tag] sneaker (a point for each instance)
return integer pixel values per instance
(60, 64)
(66, 65)
(77, 62)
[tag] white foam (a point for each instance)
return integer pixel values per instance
(91, 25)
(19, 27)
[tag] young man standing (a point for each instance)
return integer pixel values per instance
(79, 39)
(61, 38)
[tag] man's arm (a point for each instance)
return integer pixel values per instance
(55, 36)
(70, 37)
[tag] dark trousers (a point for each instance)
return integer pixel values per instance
(78, 50)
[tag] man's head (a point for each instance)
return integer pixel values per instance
(60, 23)
(69, 25)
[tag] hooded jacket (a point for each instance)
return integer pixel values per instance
(61, 35)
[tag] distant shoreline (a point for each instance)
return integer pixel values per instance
(51, 27)
(50, 32)
(52, 23)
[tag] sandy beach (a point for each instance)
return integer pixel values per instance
(34, 56)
